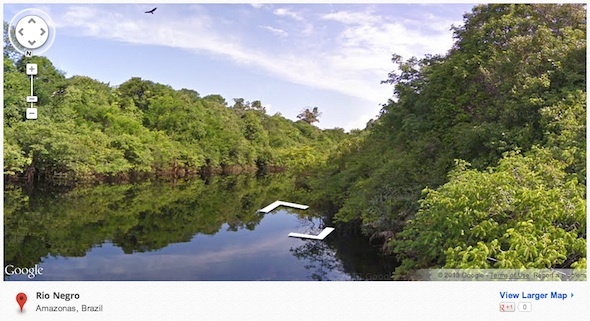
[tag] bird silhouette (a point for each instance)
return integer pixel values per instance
(152, 11)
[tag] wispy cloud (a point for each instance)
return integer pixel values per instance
(369, 33)
(350, 17)
(276, 31)
(257, 5)
(284, 12)
(351, 57)
(308, 68)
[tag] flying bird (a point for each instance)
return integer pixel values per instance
(152, 11)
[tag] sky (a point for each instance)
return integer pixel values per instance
(288, 56)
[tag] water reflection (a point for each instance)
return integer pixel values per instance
(157, 231)
(320, 258)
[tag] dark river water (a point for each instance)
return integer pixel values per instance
(190, 231)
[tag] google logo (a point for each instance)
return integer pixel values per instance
(31, 273)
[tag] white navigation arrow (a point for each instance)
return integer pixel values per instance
(320, 236)
(276, 204)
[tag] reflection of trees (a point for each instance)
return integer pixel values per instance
(136, 217)
(319, 256)
(321, 259)
(359, 258)
(344, 251)
(149, 216)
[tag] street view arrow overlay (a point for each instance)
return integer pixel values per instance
(320, 236)
(276, 204)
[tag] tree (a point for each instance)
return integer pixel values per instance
(9, 50)
(240, 106)
(139, 90)
(257, 105)
(310, 116)
(217, 99)
(16, 86)
(525, 213)
(192, 96)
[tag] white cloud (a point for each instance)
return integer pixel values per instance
(257, 5)
(306, 68)
(352, 59)
(284, 12)
(349, 17)
(363, 50)
(379, 35)
(276, 31)
(305, 28)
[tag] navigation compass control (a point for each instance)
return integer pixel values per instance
(32, 32)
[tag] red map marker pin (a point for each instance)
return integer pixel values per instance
(21, 298)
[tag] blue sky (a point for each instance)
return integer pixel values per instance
(289, 56)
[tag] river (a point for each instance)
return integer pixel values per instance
(185, 231)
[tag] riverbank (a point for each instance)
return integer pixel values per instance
(69, 178)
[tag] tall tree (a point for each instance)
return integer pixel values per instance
(310, 116)
(257, 105)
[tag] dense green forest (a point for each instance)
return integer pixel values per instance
(88, 129)
(480, 160)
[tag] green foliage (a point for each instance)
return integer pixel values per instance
(298, 159)
(47, 81)
(88, 128)
(15, 159)
(514, 79)
(525, 213)
(310, 116)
